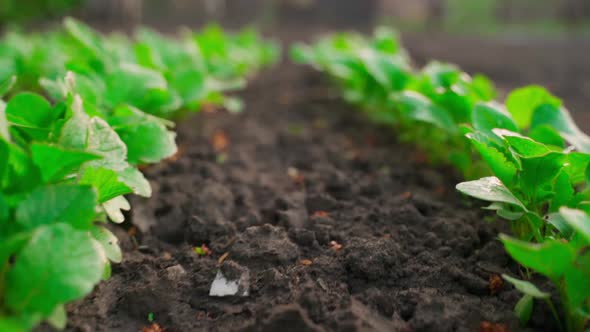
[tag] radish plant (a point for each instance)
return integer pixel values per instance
(427, 107)
(527, 156)
(67, 162)
(62, 171)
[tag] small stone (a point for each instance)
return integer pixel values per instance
(231, 280)
(175, 272)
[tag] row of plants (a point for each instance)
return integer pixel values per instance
(82, 112)
(526, 156)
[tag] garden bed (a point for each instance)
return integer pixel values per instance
(339, 226)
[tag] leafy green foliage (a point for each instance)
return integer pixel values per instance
(57, 265)
(526, 157)
(565, 263)
(66, 162)
(427, 107)
(62, 203)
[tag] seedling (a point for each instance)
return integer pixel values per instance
(203, 250)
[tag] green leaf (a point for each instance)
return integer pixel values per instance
(31, 113)
(547, 135)
(94, 135)
(388, 70)
(7, 85)
(148, 142)
(583, 261)
(561, 120)
(526, 287)
(551, 258)
(146, 136)
(564, 191)
(130, 83)
(488, 116)
(524, 146)
(523, 102)
(443, 75)
(576, 165)
(503, 210)
(504, 169)
(106, 181)
(74, 132)
(88, 39)
(17, 324)
(4, 154)
(12, 244)
(146, 56)
(20, 175)
(560, 224)
(58, 265)
(4, 209)
(61, 203)
(301, 53)
(483, 87)
(56, 163)
(114, 207)
(577, 220)
(190, 84)
(4, 134)
(490, 189)
(109, 243)
(419, 108)
(576, 282)
(135, 180)
(108, 271)
(539, 171)
(58, 318)
(233, 104)
(104, 141)
(523, 309)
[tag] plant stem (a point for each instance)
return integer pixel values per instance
(3, 271)
(535, 230)
(555, 314)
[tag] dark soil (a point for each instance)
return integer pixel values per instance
(300, 170)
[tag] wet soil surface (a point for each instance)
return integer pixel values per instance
(333, 225)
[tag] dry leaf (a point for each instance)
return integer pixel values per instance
(335, 246)
(495, 283)
(492, 327)
(222, 258)
(220, 141)
(306, 262)
(320, 214)
(406, 195)
(153, 328)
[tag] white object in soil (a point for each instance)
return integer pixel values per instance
(221, 286)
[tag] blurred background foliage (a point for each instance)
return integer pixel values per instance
(455, 16)
(516, 42)
(19, 11)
